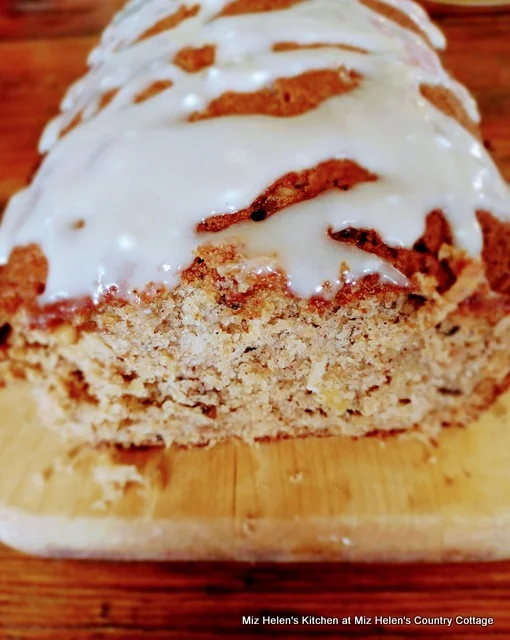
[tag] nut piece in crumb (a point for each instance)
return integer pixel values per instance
(66, 335)
(316, 374)
(334, 400)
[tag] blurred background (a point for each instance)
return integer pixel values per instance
(53, 17)
(86, 5)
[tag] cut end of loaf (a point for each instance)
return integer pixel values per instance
(230, 349)
(232, 353)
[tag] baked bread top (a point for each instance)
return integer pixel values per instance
(322, 137)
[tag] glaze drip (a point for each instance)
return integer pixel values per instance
(142, 176)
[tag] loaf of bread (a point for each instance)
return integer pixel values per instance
(258, 219)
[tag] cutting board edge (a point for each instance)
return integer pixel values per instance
(310, 539)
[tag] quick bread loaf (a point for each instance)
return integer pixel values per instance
(255, 219)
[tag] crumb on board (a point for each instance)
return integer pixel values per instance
(248, 526)
(113, 482)
(296, 478)
(112, 478)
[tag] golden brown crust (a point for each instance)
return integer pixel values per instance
(153, 89)
(394, 14)
(193, 59)
(285, 97)
(22, 279)
(203, 362)
(233, 353)
(207, 269)
(171, 21)
(292, 188)
(106, 98)
(104, 101)
(422, 258)
(237, 7)
(492, 308)
(258, 6)
(447, 102)
(496, 251)
(76, 120)
(293, 46)
(425, 256)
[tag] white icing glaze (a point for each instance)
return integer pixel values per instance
(134, 67)
(141, 176)
(420, 18)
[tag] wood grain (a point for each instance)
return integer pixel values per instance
(368, 500)
(90, 600)
(53, 600)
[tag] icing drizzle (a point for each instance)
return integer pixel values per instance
(141, 176)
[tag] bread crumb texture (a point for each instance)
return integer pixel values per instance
(231, 354)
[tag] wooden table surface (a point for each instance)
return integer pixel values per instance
(40, 54)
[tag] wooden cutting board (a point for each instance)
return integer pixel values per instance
(308, 499)
(396, 499)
